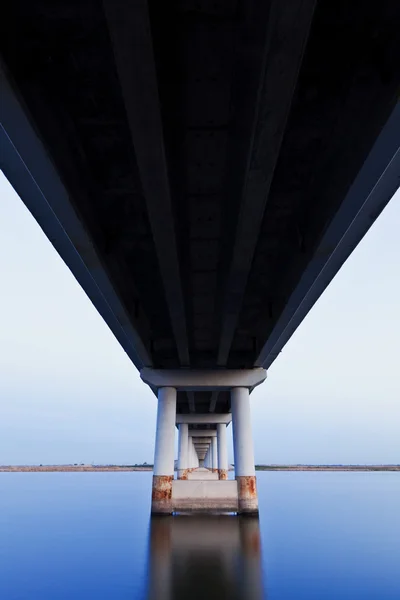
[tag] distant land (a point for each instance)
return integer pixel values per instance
(71, 468)
(147, 467)
(327, 467)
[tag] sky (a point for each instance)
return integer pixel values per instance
(69, 393)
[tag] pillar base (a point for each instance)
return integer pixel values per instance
(247, 495)
(183, 473)
(161, 497)
(214, 470)
(223, 474)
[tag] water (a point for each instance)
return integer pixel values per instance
(322, 536)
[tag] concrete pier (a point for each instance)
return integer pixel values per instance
(244, 452)
(190, 453)
(202, 483)
(163, 473)
(183, 451)
(204, 493)
(214, 464)
(222, 452)
(207, 458)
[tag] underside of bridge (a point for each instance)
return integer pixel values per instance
(206, 149)
(204, 168)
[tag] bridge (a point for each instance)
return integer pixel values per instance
(203, 168)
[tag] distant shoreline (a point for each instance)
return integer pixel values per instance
(117, 468)
(327, 467)
(70, 468)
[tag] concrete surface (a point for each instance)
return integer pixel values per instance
(202, 474)
(197, 496)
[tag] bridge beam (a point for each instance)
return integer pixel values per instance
(200, 419)
(375, 184)
(270, 114)
(130, 32)
(31, 172)
(202, 433)
(213, 401)
(203, 379)
(203, 441)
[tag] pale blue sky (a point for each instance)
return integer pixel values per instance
(68, 392)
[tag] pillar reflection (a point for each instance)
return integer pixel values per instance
(198, 557)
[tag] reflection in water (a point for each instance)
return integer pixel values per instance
(205, 557)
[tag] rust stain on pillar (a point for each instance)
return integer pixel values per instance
(183, 473)
(161, 497)
(247, 494)
(222, 474)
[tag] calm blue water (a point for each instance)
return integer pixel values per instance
(88, 535)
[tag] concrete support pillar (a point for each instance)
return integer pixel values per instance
(222, 451)
(163, 473)
(195, 457)
(189, 461)
(183, 451)
(208, 460)
(214, 454)
(244, 452)
(194, 454)
(190, 451)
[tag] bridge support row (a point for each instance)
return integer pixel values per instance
(204, 448)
